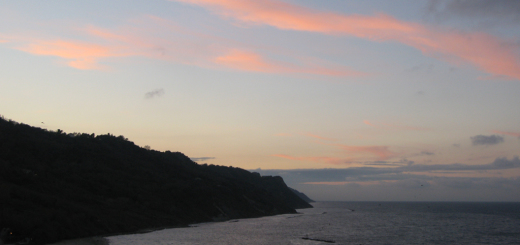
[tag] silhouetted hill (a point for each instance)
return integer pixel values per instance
(56, 186)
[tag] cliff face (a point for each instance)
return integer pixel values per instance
(56, 186)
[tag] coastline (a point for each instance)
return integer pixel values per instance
(102, 240)
(84, 241)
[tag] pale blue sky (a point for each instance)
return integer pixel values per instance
(278, 84)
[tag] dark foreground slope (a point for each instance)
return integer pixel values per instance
(56, 186)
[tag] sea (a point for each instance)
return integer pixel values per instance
(355, 223)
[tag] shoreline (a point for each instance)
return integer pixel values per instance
(102, 239)
(84, 241)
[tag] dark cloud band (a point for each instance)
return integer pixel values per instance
(298, 176)
(487, 140)
(155, 93)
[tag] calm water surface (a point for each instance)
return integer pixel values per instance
(356, 223)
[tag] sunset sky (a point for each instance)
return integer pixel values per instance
(347, 100)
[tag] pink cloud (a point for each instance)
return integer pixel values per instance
(507, 133)
(355, 152)
(247, 61)
(147, 38)
(251, 61)
(82, 55)
(103, 44)
(106, 34)
(488, 53)
(292, 17)
(368, 123)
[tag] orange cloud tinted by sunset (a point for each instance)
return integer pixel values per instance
(82, 55)
(482, 50)
(507, 133)
(188, 48)
(368, 123)
(251, 61)
(247, 61)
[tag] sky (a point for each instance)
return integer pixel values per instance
(346, 100)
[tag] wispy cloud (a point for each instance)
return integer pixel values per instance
(368, 123)
(81, 55)
(355, 154)
(86, 51)
(146, 38)
(516, 134)
(487, 52)
(246, 61)
(251, 61)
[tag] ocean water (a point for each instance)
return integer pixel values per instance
(356, 223)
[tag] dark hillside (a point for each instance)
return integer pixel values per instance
(56, 186)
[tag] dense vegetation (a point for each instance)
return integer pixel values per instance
(56, 186)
